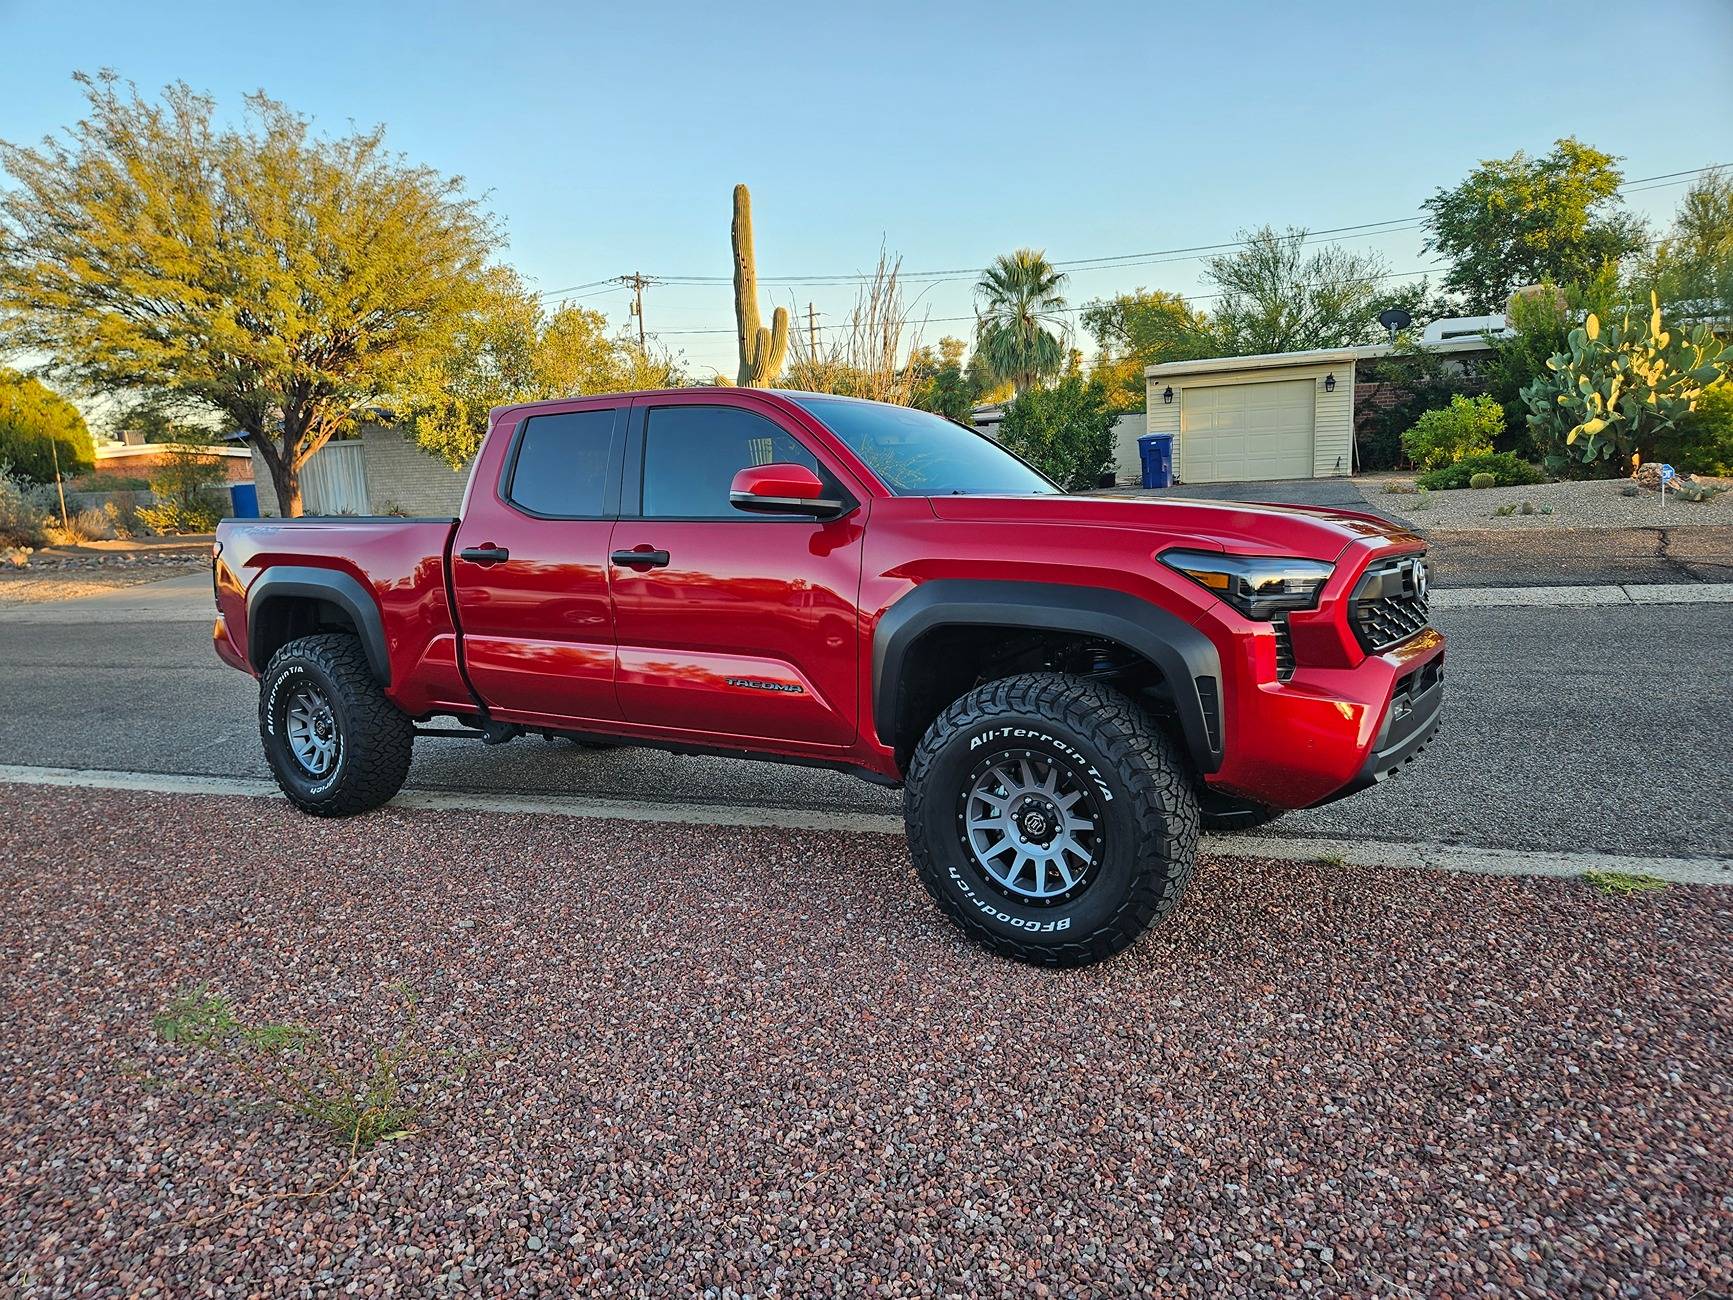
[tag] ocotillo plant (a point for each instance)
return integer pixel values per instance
(761, 350)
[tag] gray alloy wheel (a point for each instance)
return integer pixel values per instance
(310, 725)
(1032, 825)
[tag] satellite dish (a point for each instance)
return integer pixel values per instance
(1395, 320)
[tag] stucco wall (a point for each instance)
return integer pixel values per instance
(400, 477)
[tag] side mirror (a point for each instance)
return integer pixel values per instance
(782, 490)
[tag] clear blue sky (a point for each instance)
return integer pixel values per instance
(608, 136)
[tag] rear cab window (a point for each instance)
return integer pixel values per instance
(559, 468)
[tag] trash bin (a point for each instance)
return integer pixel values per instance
(244, 500)
(1156, 452)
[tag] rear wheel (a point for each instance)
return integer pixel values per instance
(335, 744)
(1050, 818)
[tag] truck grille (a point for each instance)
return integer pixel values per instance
(1390, 604)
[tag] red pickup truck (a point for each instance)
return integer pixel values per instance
(1063, 686)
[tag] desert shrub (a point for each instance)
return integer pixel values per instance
(1392, 392)
(1703, 441)
(92, 524)
(187, 490)
(1464, 428)
(1506, 470)
(22, 517)
(1065, 431)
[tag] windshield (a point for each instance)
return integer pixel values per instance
(919, 454)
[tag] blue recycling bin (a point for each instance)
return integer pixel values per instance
(244, 500)
(1156, 452)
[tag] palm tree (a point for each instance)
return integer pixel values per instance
(1018, 332)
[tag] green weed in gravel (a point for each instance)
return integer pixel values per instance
(1623, 883)
(293, 1066)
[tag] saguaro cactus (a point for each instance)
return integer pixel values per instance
(761, 350)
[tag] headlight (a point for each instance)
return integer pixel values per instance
(1259, 586)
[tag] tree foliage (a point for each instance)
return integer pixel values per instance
(1691, 270)
(1520, 220)
(1278, 294)
(36, 423)
(1065, 431)
(1019, 332)
(943, 383)
(508, 348)
(1466, 427)
(1144, 328)
(279, 279)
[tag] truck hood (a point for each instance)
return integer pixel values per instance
(1240, 528)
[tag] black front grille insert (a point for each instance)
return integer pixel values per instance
(1210, 699)
(1284, 648)
(1390, 603)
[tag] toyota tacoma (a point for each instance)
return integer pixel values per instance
(1064, 687)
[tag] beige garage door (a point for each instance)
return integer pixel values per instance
(1231, 433)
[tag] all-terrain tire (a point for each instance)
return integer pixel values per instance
(1134, 781)
(374, 737)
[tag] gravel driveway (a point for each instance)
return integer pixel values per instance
(1574, 505)
(745, 1063)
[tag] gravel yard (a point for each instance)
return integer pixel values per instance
(1575, 505)
(72, 572)
(751, 1063)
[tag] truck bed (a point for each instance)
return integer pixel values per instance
(403, 564)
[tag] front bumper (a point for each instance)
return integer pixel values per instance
(1410, 722)
(1327, 732)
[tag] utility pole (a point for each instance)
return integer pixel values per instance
(812, 329)
(637, 282)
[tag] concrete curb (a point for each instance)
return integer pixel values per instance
(1651, 593)
(1273, 846)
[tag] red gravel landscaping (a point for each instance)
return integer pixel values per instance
(743, 1062)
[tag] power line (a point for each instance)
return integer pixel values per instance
(1364, 229)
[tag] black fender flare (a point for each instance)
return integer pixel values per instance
(296, 581)
(1187, 658)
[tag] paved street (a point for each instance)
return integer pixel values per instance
(1589, 729)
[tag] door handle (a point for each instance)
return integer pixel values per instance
(484, 554)
(646, 557)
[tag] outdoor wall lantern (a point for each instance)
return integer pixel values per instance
(1167, 396)
(1330, 382)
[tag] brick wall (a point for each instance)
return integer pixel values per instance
(400, 477)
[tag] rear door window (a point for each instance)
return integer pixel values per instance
(561, 466)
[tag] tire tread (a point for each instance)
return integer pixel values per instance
(1143, 758)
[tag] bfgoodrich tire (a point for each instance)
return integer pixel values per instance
(335, 744)
(1050, 818)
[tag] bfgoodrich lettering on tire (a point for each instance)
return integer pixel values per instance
(1050, 818)
(335, 744)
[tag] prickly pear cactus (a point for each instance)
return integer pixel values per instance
(1622, 384)
(761, 350)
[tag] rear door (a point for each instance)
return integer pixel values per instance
(734, 624)
(529, 567)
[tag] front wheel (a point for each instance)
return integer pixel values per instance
(335, 744)
(1050, 818)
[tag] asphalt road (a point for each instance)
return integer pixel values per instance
(1586, 729)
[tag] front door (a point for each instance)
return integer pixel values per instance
(735, 624)
(529, 569)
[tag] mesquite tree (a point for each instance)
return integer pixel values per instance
(275, 278)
